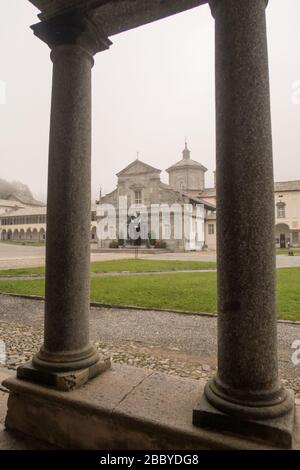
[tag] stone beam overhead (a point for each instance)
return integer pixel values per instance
(116, 16)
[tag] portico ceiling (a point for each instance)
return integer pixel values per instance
(117, 16)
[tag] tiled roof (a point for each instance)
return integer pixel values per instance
(26, 211)
(192, 198)
(282, 186)
(9, 203)
(208, 192)
(143, 167)
(32, 211)
(26, 200)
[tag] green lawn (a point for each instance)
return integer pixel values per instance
(40, 271)
(143, 265)
(194, 292)
(24, 242)
(286, 251)
(123, 265)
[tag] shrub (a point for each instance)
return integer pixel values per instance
(160, 244)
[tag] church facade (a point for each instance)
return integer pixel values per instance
(140, 184)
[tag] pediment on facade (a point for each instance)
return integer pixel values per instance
(138, 167)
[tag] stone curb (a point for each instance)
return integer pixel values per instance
(146, 309)
(9, 276)
(111, 273)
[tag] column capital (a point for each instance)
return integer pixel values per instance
(76, 28)
(214, 4)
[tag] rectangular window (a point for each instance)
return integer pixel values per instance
(281, 211)
(112, 232)
(138, 197)
(166, 233)
(295, 237)
(211, 229)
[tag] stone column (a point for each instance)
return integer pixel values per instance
(67, 359)
(246, 395)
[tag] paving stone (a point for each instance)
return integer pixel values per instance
(21, 329)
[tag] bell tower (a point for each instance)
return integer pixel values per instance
(187, 174)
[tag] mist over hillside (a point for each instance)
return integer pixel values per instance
(14, 188)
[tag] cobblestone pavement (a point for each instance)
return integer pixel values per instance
(177, 344)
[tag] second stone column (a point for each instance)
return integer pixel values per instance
(245, 396)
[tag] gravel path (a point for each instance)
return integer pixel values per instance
(31, 277)
(17, 256)
(178, 344)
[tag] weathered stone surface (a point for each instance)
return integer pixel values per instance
(64, 381)
(125, 408)
(73, 29)
(278, 430)
(116, 16)
(15, 441)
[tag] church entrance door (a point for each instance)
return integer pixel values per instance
(282, 241)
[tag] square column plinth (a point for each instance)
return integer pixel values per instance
(278, 431)
(64, 381)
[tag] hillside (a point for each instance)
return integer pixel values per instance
(18, 191)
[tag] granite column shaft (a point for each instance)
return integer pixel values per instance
(246, 384)
(69, 209)
(74, 39)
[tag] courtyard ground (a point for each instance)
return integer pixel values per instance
(177, 344)
(15, 256)
(125, 266)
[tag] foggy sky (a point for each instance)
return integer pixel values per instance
(151, 89)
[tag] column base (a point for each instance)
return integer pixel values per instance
(276, 430)
(64, 381)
